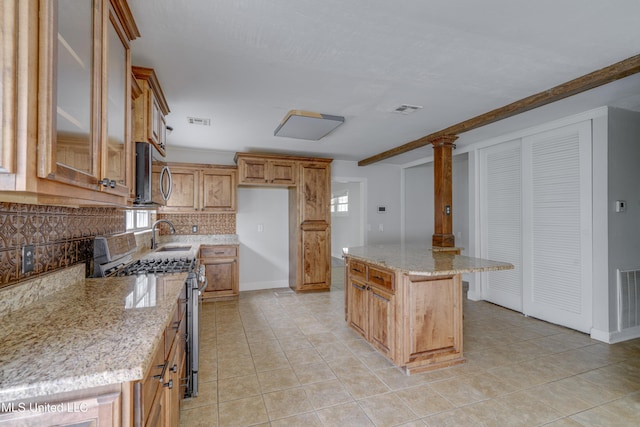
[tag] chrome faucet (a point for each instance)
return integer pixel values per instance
(153, 231)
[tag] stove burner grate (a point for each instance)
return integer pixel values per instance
(166, 265)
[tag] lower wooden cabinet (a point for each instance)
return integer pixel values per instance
(415, 321)
(97, 408)
(153, 401)
(157, 396)
(221, 270)
(371, 313)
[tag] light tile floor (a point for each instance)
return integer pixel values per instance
(276, 358)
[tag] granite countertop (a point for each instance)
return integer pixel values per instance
(91, 333)
(61, 332)
(422, 260)
(191, 244)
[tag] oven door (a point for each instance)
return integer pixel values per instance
(196, 284)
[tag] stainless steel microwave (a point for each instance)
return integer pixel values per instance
(153, 188)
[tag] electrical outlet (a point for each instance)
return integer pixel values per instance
(194, 228)
(28, 257)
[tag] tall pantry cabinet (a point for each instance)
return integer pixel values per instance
(309, 183)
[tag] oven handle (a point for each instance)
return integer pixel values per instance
(203, 287)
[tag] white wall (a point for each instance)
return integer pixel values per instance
(346, 228)
(419, 194)
(264, 256)
(418, 212)
(623, 184)
(209, 157)
(382, 185)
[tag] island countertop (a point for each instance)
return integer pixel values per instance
(95, 332)
(422, 260)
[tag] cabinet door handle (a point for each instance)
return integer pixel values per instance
(174, 368)
(356, 270)
(169, 384)
(362, 288)
(378, 277)
(380, 297)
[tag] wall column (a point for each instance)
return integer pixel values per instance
(443, 184)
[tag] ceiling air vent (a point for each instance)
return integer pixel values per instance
(199, 121)
(407, 109)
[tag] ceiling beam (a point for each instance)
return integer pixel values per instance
(589, 81)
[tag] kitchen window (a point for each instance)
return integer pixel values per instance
(138, 220)
(340, 203)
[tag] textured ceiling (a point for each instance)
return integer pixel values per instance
(245, 63)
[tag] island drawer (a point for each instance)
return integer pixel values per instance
(381, 278)
(357, 268)
(215, 251)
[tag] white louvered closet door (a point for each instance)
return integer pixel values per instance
(557, 226)
(500, 218)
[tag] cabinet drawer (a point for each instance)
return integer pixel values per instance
(381, 278)
(214, 251)
(150, 384)
(357, 268)
(172, 329)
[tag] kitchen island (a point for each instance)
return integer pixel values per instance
(406, 301)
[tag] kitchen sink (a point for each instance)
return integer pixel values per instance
(173, 248)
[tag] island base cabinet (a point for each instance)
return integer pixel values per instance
(371, 313)
(358, 310)
(414, 321)
(432, 321)
(382, 320)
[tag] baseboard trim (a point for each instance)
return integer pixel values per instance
(616, 336)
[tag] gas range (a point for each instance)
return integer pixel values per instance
(113, 257)
(154, 265)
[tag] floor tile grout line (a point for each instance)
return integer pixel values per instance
(619, 359)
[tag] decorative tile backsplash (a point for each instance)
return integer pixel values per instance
(62, 236)
(207, 223)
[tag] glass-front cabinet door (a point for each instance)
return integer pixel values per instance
(69, 109)
(84, 95)
(117, 154)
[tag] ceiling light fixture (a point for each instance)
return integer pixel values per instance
(307, 125)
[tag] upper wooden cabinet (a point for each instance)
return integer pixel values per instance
(149, 110)
(266, 169)
(68, 93)
(202, 188)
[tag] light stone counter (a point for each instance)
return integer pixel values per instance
(422, 260)
(192, 242)
(90, 333)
